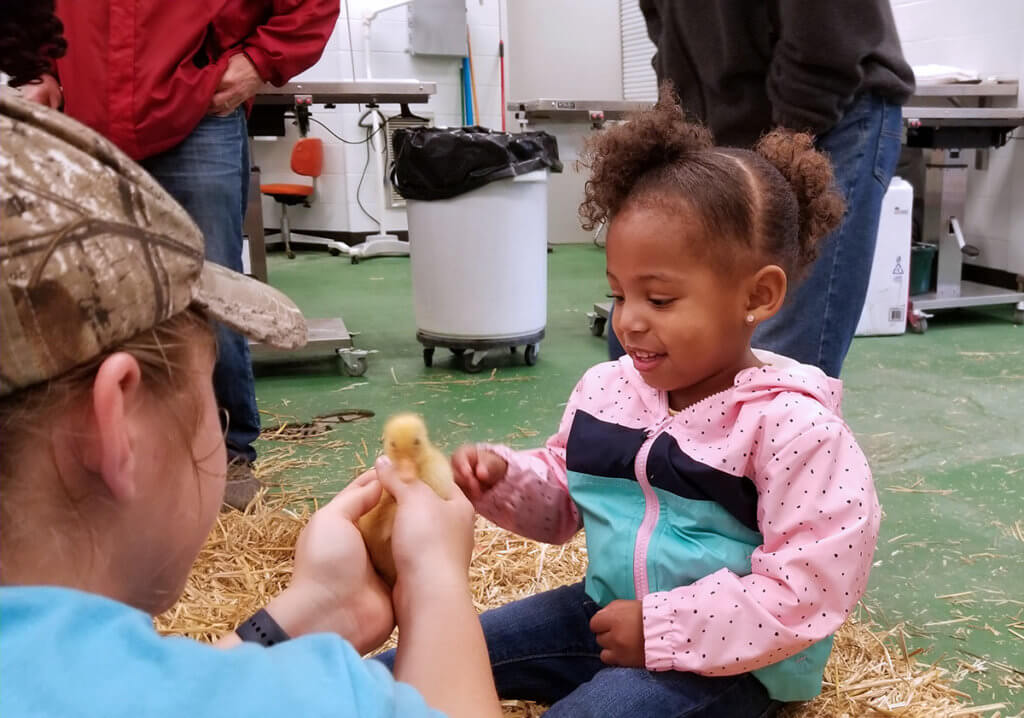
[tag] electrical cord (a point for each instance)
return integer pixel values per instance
(362, 177)
(366, 165)
(369, 135)
(358, 188)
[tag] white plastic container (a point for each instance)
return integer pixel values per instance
(480, 264)
(885, 308)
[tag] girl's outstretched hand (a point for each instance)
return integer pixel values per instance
(477, 470)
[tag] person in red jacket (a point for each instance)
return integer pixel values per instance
(168, 82)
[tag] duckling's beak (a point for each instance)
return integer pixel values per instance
(406, 469)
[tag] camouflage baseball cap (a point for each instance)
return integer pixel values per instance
(93, 251)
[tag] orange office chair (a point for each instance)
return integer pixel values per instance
(308, 161)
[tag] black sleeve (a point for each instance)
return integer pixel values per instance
(653, 20)
(817, 62)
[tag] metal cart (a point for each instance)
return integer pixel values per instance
(598, 318)
(470, 353)
(326, 337)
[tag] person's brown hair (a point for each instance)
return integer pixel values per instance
(164, 353)
(778, 200)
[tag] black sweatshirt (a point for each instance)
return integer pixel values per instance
(745, 66)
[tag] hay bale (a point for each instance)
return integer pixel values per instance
(248, 559)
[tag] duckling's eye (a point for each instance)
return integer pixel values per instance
(416, 442)
(393, 444)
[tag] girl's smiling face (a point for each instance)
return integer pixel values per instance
(681, 320)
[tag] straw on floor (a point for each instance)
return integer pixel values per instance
(248, 559)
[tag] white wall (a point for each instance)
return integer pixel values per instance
(335, 208)
(564, 49)
(985, 36)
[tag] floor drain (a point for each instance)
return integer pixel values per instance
(319, 425)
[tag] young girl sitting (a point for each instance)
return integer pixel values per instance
(112, 473)
(730, 516)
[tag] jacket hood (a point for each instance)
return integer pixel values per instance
(780, 374)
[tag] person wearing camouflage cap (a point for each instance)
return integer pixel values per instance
(113, 469)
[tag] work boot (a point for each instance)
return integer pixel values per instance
(242, 486)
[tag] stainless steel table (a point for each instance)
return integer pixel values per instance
(349, 92)
(586, 111)
(945, 129)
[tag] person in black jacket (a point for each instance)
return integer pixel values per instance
(832, 68)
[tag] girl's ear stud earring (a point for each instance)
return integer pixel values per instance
(750, 319)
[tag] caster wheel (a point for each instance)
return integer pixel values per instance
(920, 326)
(597, 326)
(333, 251)
(355, 260)
(471, 364)
(1018, 316)
(428, 356)
(512, 350)
(352, 361)
(458, 352)
(530, 355)
(290, 254)
(354, 367)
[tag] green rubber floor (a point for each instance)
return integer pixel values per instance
(940, 416)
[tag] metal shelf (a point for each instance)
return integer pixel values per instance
(964, 116)
(1009, 88)
(971, 294)
(562, 109)
(349, 92)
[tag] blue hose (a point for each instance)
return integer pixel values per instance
(467, 94)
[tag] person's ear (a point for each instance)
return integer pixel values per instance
(766, 293)
(115, 395)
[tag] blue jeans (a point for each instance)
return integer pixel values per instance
(817, 323)
(208, 174)
(542, 649)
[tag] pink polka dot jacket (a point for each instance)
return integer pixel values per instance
(746, 523)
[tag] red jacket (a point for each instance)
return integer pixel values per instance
(143, 72)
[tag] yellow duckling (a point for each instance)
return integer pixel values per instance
(414, 457)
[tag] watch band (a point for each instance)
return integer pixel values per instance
(263, 629)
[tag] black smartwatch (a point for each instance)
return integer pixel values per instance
(261, 628)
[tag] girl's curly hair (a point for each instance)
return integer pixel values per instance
(778, 200)
(31, 37)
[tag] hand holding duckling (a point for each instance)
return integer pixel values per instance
(414, 458)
